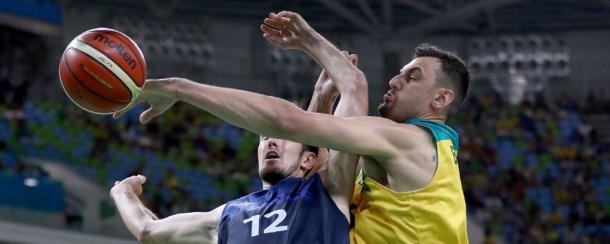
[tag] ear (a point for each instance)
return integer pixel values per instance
(320, 164)
(442, 98)
(308, 161)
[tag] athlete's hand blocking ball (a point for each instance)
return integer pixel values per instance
(159, 93)
(287, 30)
(131, 184)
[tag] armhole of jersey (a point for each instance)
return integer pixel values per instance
(222, 214)
(334, 204)
(434, 176)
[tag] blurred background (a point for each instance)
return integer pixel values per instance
(535, 132)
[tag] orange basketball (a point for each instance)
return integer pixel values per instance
(102, 71)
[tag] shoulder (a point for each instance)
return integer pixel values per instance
(211, 219)
(251, 198)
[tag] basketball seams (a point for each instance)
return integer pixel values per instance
(70, 97)
(124, 77)
(85, 86)
(106, 68)
(81, 67)
(106, 55)
(121, 36)
(67, 93)
(124, 38)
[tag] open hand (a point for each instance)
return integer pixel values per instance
(287, 30)
(159, 93)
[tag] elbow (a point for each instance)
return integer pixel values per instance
(357, 83)
(146, 235)
(357, 91)
(360, 83)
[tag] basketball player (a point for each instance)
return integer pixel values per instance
(298, 203)
(409, 190)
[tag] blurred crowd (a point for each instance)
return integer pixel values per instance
(537, 172)
(193, 161)
(532, 173)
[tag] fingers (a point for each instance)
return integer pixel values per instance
(138, 100)
(354, 59)
(141, 179)
(275, 23)
(275, 26)
(287, 14)
(149, 114)
(273, 39)
(270, 31)
(283, 16)
(156, 81)
(286, 22)
(120, 113)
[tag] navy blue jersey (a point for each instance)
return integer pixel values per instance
(292, 211)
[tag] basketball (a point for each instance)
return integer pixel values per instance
(102, 71)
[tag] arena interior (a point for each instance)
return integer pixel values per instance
(535, 131)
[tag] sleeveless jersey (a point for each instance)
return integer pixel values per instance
(292, 211)
(435, 213)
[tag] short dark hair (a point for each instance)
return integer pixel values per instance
(308, 148)
(455, 70)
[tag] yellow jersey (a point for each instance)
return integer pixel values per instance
(435, 213)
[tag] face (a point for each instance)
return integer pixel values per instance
(412, 91)
(279, 159)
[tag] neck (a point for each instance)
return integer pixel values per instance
(439, 119)
(432, 117)
(267, 185)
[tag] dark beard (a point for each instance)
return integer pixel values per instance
(384, 110)
(272, 177)
(275, 175)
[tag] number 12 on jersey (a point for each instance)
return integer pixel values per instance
(273, 227)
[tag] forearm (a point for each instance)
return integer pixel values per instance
(132, 211)
(258, 113)
(321, 103)
(346, 75)
(148, 212)
(274, 117)
(342, 166)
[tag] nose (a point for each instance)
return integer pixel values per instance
(272, 143)
(394, 83)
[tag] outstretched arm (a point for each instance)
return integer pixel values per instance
(196, 227)
(376, 137)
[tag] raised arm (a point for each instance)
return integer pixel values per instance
(196, 227)
(324, 95)
(340, 172)
(290, 31)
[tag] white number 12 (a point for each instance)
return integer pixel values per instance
(281, 215)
